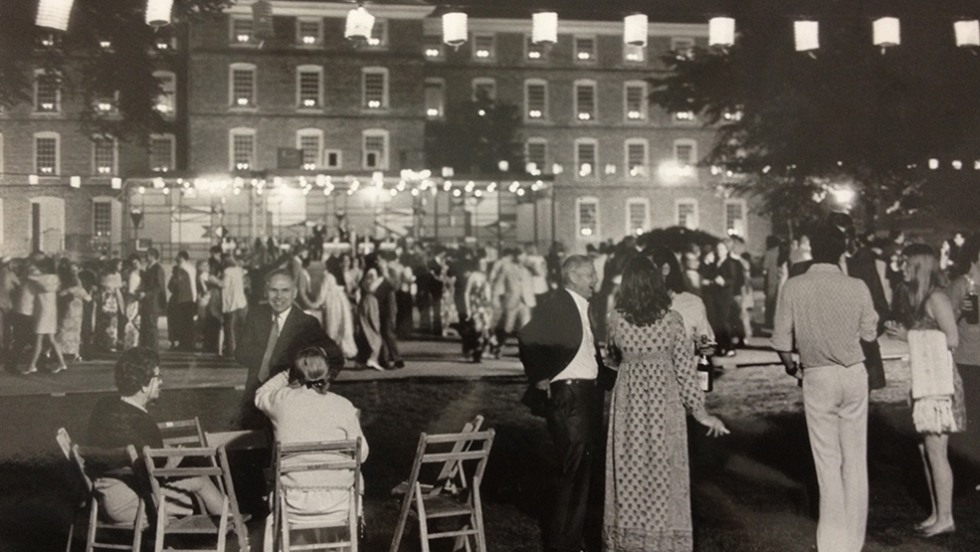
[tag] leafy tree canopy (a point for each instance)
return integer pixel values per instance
(475, 137)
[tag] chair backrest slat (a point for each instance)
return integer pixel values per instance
(180, 433)
(454, 437)
(454, 456)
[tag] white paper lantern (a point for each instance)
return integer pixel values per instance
(158, 12)
(721, 31)
(967, 33)
(54, 14)
(359, 24)
(75, 182)
(887, 32)
(806, 34)
(454, 28)
(544, 28)
(635, 29)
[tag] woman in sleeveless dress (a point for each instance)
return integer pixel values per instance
(71, 299)
(648, 504)
(46, 283)
(925, 306)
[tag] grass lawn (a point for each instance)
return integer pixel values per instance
(752, 491)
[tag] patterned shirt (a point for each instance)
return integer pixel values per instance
(824, 313)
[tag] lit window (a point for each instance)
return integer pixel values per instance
(106, 105)
(685, 117)
(102, 218)
(309, 32)
(162, 153)
(532, 51)
(47, 153)
(310, 142)
(636, 158)
(735, 217)
(104, 155)
(633, 53)
(242, 149)
(686, 213)
(732, 116)
(375, 148)
(375, 88)
(635, 94)
(47, 92)
(536, 155)
(637, 215)
(165, 102)
(587, 217)
(586, 158)
(683, 47)
(308, 84)
(434, 98)
(585, 101)
(242, 88)
(484, 46)
(241, 30)
(584, 49)
(536, 100)
(379, 34)
(433, 47)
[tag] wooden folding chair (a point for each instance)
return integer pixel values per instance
(116, 462)
(194, 524)
(317, 457)
(182, 433)
(65, 443)
(450, 468)
(458, 496)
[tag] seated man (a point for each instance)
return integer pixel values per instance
(123, 420)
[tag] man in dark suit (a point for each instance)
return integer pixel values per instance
(267, 349)
(153, 299)
(562, 364)
(182, 297)
(388, 311)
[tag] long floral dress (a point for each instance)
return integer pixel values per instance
(69, 336)
(131, 331)
(109, 308)
(648, 495)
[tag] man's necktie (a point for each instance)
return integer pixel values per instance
(270, 346)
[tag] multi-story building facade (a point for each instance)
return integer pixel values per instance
(278, 128)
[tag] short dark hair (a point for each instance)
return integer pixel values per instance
(215, 249)
(134, 369)
(183, 255)
(674, 280)
(153, 253)
(969, 253)
(827, 244)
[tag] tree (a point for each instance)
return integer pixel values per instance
(108, 49)
(796, 125)
(475, 137)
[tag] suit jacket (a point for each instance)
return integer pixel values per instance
(154, 284)
(861, 265)
(299, 331)
(181, 286)
(387, 306)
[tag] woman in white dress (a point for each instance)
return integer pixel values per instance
(337, 313)
(131, 298)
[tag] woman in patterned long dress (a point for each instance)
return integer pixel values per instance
(648, 505)
(927, 307)
(71, 299)
(110, 303)
(131, 330)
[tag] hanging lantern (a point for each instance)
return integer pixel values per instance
(887, 32)
(454, 28)
(721, 31)
(158, 12)
(544, 28)
(635, 29)
(359, 25)
(806, 34)
(54, 14)
(967, 33)
(262, 20)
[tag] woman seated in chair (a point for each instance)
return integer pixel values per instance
(303, 410)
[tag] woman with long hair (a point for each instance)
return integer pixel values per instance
(71, 298)
(110, 305)
(925, 313)
(647, 442)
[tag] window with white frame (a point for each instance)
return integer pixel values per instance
(634, 53)
(242, 31)
(166, 103)
(585, 49)
(241, 88)
(534, 52)
(379, 34)
(586, 158)
(433, 48)
(102, 218)
(685, 152)
(47, 153)
(686, 213)
(241, 149)
(682, 46)
(536, 155)
(484, 46)
(375, 147)
(435, 98)
(309, 86)
(587, 217)
(535, 100)
(637, 215)
(333, 159)
(309, 32)
(107, 105)
(635, 101)
(735, 219)
(374, 90)
(104, 155)
(637, 158)
(585, 100)
(47, 91)
(484, 87)
(162, 152)
(310, 142)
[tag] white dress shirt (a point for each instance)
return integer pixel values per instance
(583, 365)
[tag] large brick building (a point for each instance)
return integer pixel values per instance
(274, 131)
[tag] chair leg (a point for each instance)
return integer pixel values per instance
(283, 524)
(423, 521)
(138, 526)
(71, 535)
(223, 526)
(161, 523)
(402, 520)
(481, 540)
(93, 525)
(269, 535)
